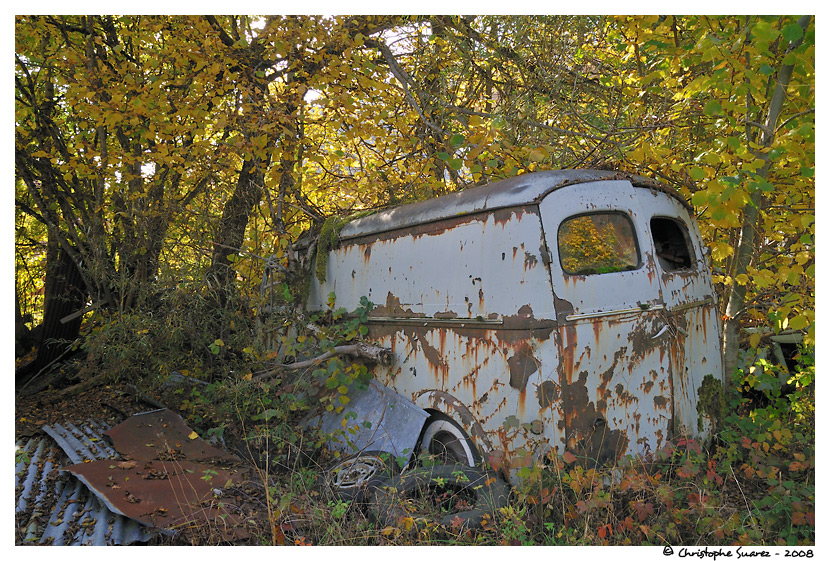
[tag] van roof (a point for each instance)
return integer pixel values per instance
(525, 189)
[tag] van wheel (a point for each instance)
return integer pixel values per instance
(353, 477)
(457, 495)
(444, 438)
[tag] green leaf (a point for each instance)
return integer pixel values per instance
(766, 70)
(719, 213)
(268, 414)
(764, 186)
(700, 198)
(511, 422)
(792, 32)
(712, 108)
(697, 173)
(457, 140)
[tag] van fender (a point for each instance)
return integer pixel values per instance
(455, 409)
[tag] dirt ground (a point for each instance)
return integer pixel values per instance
(102, 403)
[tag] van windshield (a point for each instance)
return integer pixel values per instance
(595, 244)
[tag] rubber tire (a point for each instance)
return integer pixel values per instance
(443, 430)
(355, 477)
(490, 491)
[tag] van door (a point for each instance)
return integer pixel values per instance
(691, 307)
(615, 381)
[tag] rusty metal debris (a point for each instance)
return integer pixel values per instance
(167, 477)
(53, 507)
(147, 476)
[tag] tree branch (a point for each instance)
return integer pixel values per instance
(372, 353)
(405, 81)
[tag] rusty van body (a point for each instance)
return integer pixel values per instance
(550, 312)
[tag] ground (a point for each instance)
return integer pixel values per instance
(106, 404)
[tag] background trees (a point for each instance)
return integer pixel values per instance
(164, 154)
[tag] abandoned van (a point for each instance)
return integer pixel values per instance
(551, 312)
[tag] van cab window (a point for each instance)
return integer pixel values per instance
(671, 241)
(595, 244)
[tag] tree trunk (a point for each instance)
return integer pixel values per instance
(748, 244)
(64, 293)
(246, 196)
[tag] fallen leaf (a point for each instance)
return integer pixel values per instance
(193, 435)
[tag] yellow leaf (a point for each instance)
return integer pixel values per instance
(721, 251)
(754, 339)
(193, 435)
(798, 322)
(537, 155)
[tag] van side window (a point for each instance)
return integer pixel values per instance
(594, 244)
(671, 240)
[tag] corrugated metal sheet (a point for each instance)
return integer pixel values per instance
(54, 508)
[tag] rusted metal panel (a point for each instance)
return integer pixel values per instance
(163, 435)
(54, 508)
(613, 370)
(528, 353)
(467, 373)
(163, 494)
(167, 478)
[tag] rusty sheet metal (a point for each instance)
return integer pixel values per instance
(376, 419)
(634, 349)
(496, 393)
(54, 508)
(162, 435)
(169, 495)
(167, 477)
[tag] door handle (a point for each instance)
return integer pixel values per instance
(673, 329)
(659, 333)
